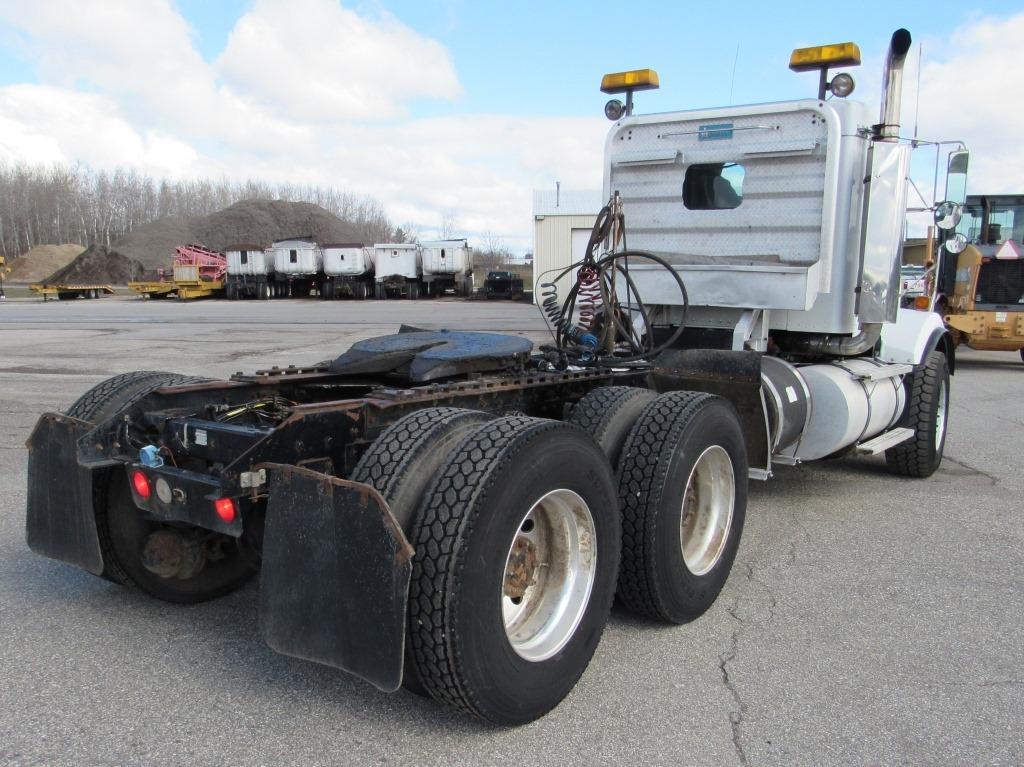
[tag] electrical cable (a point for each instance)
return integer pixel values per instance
(605, 333)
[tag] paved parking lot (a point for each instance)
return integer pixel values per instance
(868, 620)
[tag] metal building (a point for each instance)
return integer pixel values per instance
(562, 221)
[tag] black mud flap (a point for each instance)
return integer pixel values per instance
(335, 578)
(60, 521)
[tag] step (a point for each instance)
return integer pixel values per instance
(884, 441)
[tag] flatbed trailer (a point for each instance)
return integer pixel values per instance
(454, 512)
(184, 289)
(68, 291)
(154, 288)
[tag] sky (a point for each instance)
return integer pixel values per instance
(450, 109)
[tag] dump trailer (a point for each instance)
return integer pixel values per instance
(250, 272)
(348, 271)
(503, 284)
(447, 266)
(398, 270)
(982, 287)
(298, 266)
(453, 512)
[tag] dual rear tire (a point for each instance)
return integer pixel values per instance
(516, 531)
(518, 535)
(681, 472)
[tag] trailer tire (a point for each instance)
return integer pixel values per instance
(686, 450)
(103, 401)
(927, 414)
(402, 462)
(474, 648)
(608, 413)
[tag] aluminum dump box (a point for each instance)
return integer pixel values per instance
(297, 256)
(397, 260)
(448, 257)
(249, 260)
(347, 260)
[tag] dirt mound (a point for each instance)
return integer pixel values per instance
(100, 265)
(41, 261)
(153, 245)
(140, 253)
(264, 221)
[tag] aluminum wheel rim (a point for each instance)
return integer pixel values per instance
(549, 574)
(708, 504)
(940, 416)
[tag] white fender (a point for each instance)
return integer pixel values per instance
(911, 337)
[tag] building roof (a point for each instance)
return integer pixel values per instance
(568, 202)
(342, 245)
(243, 246)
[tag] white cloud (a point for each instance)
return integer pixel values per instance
(290, 99)
(318, 61)
(312, 92)
(971, 90)
(45, 124)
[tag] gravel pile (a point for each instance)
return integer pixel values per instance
(40, 261)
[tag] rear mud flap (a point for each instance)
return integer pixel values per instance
(335, 577)
(60, 522)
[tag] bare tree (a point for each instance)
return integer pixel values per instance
(61, 203)
(447, 229)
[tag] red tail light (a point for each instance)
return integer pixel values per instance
(141, 484)
(225, 508)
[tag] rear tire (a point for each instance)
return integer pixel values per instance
(125, 531)
(101, 402)
(401, 464)
(608, 413)
(683, 490)
(927, 414)
(474, 647)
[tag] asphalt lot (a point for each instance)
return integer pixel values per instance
(869, 619)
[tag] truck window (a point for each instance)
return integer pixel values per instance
(293, 256)
(714, 186)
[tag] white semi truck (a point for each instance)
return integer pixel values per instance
(298, 266)
(398, 270)
(250, 272)
(447, 265)
(454, 512)
(348, 271)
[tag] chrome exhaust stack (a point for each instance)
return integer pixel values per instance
(888, 128)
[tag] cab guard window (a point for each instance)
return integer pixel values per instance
(713, 186)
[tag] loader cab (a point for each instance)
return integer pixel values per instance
(990, 272)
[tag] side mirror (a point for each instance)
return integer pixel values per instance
(956, 244)
(956, 177)
(947, 215)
